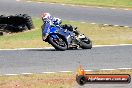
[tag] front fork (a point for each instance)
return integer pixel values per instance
(80, 36)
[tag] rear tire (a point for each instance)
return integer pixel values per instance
(28, 21)
(57, 46)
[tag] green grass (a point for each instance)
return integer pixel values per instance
(23, 40)
(99, 34)
(108, 3)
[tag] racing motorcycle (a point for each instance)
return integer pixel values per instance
(63, 37)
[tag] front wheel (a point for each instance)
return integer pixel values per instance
(85, 43)
(58, 42)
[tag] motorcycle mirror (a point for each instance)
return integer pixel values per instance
(75, 28)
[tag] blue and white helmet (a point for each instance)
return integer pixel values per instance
(57, 21)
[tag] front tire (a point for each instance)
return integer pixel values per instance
(85, 43)
(59, 43)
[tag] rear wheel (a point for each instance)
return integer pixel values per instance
(58, 43)
(85, 43)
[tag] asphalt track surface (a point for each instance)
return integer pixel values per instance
(49, 60)
(42, 60)
(68, 12)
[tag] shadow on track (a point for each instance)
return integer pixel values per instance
(41, 50)
(52, 49)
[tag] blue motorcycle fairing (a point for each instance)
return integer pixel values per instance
(47, 30)
(50, 30)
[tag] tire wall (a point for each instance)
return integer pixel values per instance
(15, 23)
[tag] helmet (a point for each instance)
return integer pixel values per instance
(46, 16)
(57, 21)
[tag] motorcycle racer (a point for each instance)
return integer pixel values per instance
(62, 37)
(57, 22)
(52, 20)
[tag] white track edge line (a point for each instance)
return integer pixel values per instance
(27, 73)
(53, 47)
(64, 72)
(107, 69)
(125, 68)
(18, 0)
(112, 45)
(89, 70)
(48, 72)
(10, 74)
